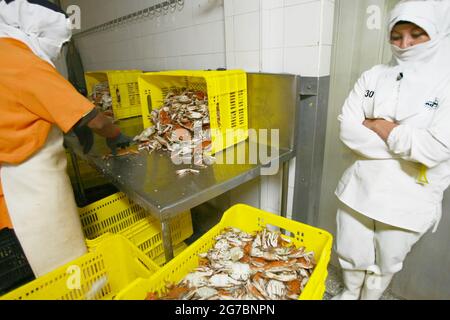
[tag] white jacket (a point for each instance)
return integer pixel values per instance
(413, 91)
(382, 184)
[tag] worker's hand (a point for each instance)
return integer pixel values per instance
(121, 141)
(381, 127)
(85, 136)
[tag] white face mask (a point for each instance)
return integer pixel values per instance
(419, 53)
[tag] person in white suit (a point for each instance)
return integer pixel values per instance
(397, 121)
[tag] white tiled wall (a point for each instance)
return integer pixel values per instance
(243, 34)
(191, 38)
(290, 36)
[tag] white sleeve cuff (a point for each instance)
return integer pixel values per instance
(399, 141)
(393, 136)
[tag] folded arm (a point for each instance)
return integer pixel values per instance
(428, 146)
(354, 134)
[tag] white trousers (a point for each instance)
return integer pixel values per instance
(369, 245)
(42, 208)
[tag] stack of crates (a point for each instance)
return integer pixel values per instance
(124, 242)
(124, 91)
(98, 275)
(117, 214)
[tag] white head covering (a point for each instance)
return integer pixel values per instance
(433, 17)
(41, 25)
(425, 66)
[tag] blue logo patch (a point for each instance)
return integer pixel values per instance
(433, 105)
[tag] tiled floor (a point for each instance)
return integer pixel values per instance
(335, 285)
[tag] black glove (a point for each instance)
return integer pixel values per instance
(122, 141)
(85, 136)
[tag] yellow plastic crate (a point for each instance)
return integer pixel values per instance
(123, 86)
(112, 214)
(118, 214)
(115, 259)
(147, 234)
(227, 100)
(247, 219)
(177, 249)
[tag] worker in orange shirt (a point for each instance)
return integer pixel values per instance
(36, 106)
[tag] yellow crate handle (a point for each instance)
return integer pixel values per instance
(422, 177)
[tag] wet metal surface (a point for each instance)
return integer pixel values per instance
(152, 182)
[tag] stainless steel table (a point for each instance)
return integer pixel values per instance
(151, 180)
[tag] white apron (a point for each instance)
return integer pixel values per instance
(42, 208)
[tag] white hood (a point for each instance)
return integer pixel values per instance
(427, 65)
(37, 23)
(433, 17)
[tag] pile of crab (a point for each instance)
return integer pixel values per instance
(240, 266)
(182, 127)
(101, 97)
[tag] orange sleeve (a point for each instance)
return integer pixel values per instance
(44, 92)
